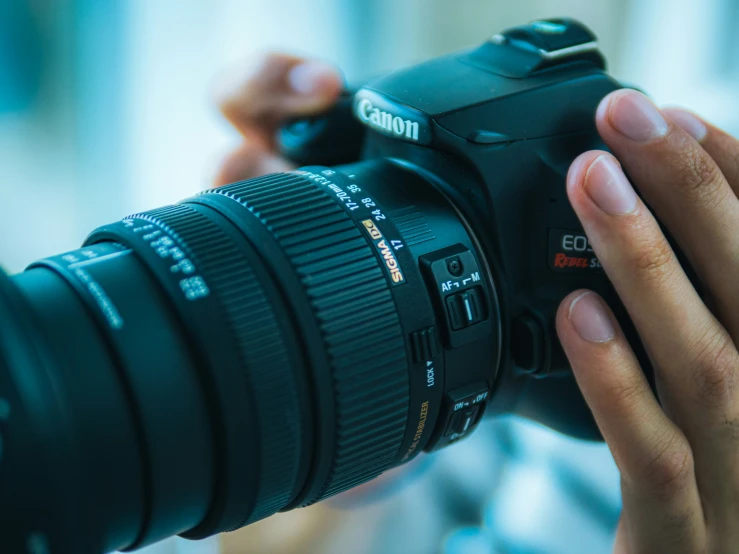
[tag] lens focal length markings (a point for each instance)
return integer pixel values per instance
(426, 374)
(341, 282)
(363, 208)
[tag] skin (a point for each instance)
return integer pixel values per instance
(678, 454)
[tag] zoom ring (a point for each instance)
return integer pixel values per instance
(357, 316)
(260, 343)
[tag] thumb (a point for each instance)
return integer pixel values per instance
(277, 88)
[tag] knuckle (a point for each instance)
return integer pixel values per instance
(271, 57)
(271, 62)
(671, 467)
(731, 430)
(735, 169)
(625, 395)
(713, 366)
(655, 261)
(263, 73)
(267, 75)
(699, 175)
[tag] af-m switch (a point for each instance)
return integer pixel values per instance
(454, 279)
(465, 308)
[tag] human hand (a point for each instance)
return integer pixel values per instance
(680, 477)
(679, 461)
(278, 88)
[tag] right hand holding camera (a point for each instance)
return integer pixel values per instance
(667, 502)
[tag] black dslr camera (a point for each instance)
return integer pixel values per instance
(268, 344)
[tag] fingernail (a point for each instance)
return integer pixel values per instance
(573, 175)
(608, 187)
(590, 318)
(634, 115)
(689, 123)
(308, 78)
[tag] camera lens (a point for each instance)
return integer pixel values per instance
(255, 348)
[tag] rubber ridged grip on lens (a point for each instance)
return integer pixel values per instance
(354, 307)
(261, 346)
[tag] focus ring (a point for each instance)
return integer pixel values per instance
(355, 310)
(260, 343)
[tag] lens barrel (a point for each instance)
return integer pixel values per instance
(255, 348)
(343, 287)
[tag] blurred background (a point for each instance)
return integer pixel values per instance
(105, 109)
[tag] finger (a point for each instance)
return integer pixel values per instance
(684, 186)
(694, 358)
(247, 162)
(693, 355)
(652, 454)
(277, 88)
(721, 146)
(621, 541)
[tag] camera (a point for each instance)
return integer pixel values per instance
(271, 343)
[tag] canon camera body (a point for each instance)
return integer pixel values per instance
(494, 129)
(267, 344)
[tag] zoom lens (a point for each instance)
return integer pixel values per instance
(259, 347)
